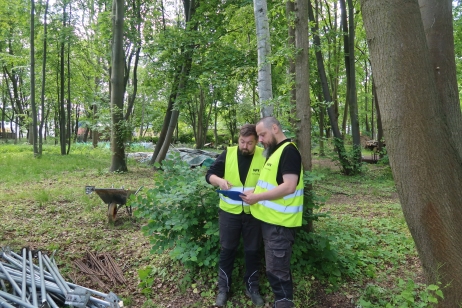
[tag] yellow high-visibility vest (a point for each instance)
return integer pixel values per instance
(232, 176)
(286, 211)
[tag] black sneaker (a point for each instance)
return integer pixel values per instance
(222, 298)
(256, 298)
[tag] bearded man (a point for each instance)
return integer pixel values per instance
(277, 202)
(238, 169)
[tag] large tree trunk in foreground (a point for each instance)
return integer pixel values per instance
(118, 162)
(423, 155)
(437, 20)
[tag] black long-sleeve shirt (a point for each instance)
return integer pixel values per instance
(218, 167)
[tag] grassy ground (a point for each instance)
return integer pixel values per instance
(44, 206)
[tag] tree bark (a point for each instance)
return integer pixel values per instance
(42, 95)
(69, 106)
(265, 91)
(379, 121)
(290, 15)
(118, 163)
(424, 159)
(32, 81)
(62, 111)
(438, 24)
(302, 83)
(302, 86)
(94, 131)
(353, 98)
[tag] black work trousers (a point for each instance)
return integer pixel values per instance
(278, 242)
(232, 228)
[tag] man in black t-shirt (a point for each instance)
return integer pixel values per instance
(278, 202)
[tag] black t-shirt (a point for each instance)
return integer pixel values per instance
(290, 161)
(218, 167)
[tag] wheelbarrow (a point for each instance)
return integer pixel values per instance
(115, 198)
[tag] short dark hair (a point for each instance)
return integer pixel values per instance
(248, 130)
(269, 121)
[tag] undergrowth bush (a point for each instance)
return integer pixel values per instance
(182, 214)
(407, 294)
(315, 253)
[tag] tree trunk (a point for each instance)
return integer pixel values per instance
(69, 106)
(322, 73)
(168, 116)
(265, 90)
(437, 20)
(32, 81)
(379, 122)
(302, 86)
(160, 152)
(353, 101)
(423, 155)
(132, 97)
(42, 95)
(143, 104)
(338, 140)
(215, 120)
(302, 83)
(290, 15)
(94, 131)
(118, 163)
(62, 111)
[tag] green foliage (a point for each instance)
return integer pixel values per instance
(349, 161)
(407, 294)
(315, 253)
(182, 214)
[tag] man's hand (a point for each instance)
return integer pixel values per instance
(250, 197)
(224, 184)
(220, 182)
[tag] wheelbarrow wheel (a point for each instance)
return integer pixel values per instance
(111, 212)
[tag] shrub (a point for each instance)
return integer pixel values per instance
(182, 218)
(314, 253)
(182, 214)
(187, 138)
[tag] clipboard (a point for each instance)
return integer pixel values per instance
(233, 195)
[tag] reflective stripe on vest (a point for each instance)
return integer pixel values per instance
(232, 176)
(286, 211)
(268, 186)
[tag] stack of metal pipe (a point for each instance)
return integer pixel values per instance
(26, 284)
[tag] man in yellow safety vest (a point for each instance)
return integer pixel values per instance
(237, 169)
(277, 202)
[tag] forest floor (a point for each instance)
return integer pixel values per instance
(44, 207)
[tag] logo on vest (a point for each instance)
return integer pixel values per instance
(256, 170)
(268, 164)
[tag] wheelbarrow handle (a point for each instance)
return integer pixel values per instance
(138, 189)
(89, 189)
